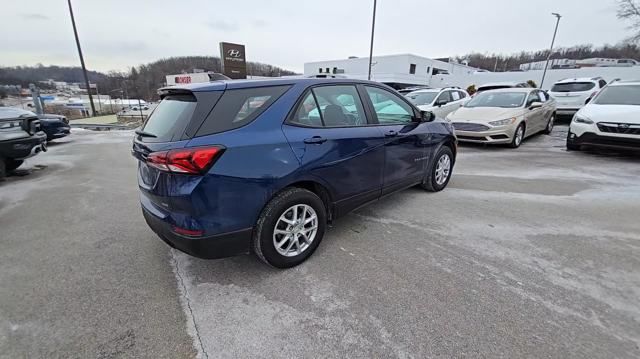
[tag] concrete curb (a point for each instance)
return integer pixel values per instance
(100, 127)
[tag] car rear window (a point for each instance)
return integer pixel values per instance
(239, 107)
(573, 87)
(170, 117)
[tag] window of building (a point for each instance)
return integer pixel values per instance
(412, 69)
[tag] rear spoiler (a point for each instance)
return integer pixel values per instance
(186, 90)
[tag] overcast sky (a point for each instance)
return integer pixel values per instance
(117, 34)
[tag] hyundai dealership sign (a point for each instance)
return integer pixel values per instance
(233, 60)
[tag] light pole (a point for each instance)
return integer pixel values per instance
(84, 69)
(373, 27)
(546, 65)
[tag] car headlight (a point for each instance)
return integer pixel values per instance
(508, 121)
(582, 119)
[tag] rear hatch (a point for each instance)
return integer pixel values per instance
(573, 94)
(168, 130)
(170, 166)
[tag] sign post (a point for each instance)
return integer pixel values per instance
(233, 60)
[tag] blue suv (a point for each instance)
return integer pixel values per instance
(227, 168)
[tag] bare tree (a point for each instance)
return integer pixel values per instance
(630, 10)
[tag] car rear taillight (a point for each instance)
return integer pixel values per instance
(196, 160)
(188, 232)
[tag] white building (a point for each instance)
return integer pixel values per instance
(573, 64)
(395, 70)
(601, 62)
(553, 64)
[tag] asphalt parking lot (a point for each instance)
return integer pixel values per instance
(533, 252)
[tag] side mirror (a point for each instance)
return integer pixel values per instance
(441, 102)
(427, 116)
(535, 105)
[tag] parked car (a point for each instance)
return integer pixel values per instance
(611, 119)
(441, 101)
(226, 168)
(20, 138)
(55, 126)
(501, 85)
(505, 116)
(572, 94)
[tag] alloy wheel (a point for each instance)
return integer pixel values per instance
(295, 230)
(519, 135)
(443, 168)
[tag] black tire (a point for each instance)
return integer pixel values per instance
(13, 164)
(572, 147)
(547, 130)
(3, 168)
(515, 143)
(263, 235)
(431, 182)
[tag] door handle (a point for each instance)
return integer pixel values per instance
(391, 133)
(315, 140)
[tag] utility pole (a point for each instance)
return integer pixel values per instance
(373, 27)
(84, 69)
(546, 65)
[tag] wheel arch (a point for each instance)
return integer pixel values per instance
(315, 187)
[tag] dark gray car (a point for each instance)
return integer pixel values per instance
(20, 137)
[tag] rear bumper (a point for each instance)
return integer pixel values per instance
(592, 139)
(567, 110)
(25, 147)
(211, 247)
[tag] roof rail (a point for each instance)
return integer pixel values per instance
(596, 78)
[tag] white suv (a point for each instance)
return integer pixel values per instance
(611, 119)
(572, 94)
(440, 102)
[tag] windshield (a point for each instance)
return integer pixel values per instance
(573, 87)
(421, 98)
(619, 95)
(497, 99)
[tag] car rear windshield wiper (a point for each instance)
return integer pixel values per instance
(145, 134)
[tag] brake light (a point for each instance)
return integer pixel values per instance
(196, 160)
(188, 232)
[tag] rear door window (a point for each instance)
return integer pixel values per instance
(573, 87)
(308, 112)
(239, 107)
(170, 117)
(331, 106)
